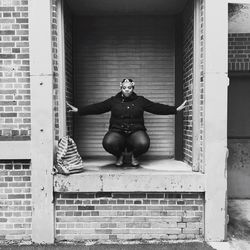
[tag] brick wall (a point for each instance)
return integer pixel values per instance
(68, 25)
(239, 51)
(202, 90)
(123, 216)
(55, 67)
(15, 116)
(15, 200)
(188, 36)
(14, 70)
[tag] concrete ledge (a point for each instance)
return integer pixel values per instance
(155, 176)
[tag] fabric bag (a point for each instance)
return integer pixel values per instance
(68, 160)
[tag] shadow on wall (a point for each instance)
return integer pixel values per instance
(239, 18)
(239, 219)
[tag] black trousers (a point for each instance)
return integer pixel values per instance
(137, 142)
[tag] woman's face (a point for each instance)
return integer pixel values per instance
(127, 88)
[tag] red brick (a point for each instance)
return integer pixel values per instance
(7, 32)
(22, 20)
(121, 195)
(16, 196)
(137, 195)
(86, 207)
(192, 219)
(8, 115)
(7, 8)
(155, 195)
(7, 56)
(141, 219)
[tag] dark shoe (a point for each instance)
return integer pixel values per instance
(119, 161)
(134, 161)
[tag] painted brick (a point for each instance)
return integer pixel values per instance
(238, 50)
(188, 26)
(7, 32)
(16, 207)
(68, 26)
(55, 66)
(107, 219)
(14, 27)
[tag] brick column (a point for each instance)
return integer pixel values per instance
(215, 119)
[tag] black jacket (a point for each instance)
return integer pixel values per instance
(127, 113)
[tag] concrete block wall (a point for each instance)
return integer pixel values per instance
(129, 216)
(15, 121)
(239, 51)
(188, 36)
(15, 201)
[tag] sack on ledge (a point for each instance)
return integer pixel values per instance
(68, 160)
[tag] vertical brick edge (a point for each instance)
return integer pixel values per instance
(188, 36)
(69, 66)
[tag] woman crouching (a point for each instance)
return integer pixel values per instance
(126, 125)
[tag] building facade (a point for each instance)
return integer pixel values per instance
(57, 51)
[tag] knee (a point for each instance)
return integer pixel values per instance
(143, 144)
(111, 142)
(108, 143)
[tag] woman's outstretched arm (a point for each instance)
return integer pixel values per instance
(92, 109)
(161, 109)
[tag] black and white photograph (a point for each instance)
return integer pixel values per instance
(125, 124)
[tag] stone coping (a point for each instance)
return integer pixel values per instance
(163, 175)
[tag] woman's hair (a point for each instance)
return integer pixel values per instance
(130, 80)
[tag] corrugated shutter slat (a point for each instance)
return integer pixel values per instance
(108, 49)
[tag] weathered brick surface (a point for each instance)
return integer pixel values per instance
(14, 70)
(15, 106)
(118, 216)
(55, 67)
(188, 46)
(239, 51)
(15, 200)
(202, 85)
(68, 25)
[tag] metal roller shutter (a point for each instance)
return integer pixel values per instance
(108, 49)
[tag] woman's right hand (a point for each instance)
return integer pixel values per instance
(71, 108)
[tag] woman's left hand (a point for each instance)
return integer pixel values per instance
(182, 106)
(71, 108)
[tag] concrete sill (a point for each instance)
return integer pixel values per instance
(162, 175)
(15, 150)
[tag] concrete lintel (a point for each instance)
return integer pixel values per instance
(15, 150)
(130, 182)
